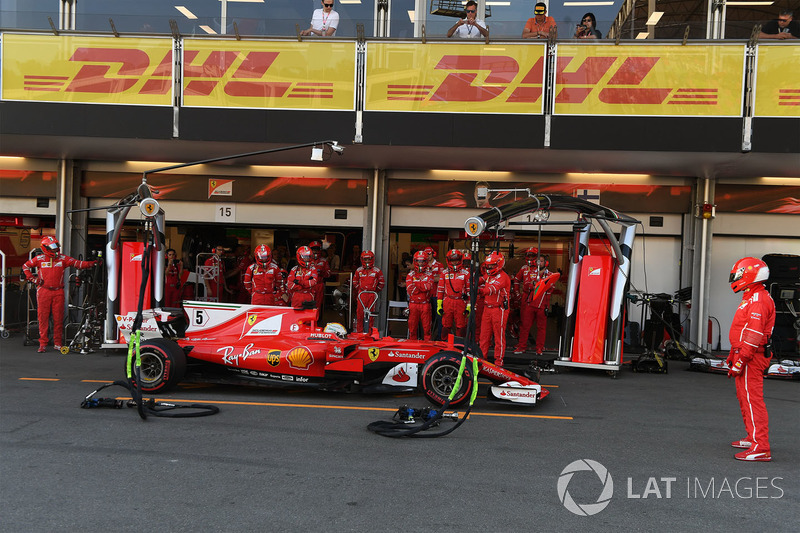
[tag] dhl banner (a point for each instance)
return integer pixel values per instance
(645, 80)
(455, 78)
(269, 75)
(94, 70)
(777, 88)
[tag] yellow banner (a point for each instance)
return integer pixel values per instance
(95, 70)
(645, 80)
(455, 78)
(777, 91)
(312, 75)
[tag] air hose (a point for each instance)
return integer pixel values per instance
(407, 425)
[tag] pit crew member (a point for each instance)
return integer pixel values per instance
(750, 332)
(262, 279)
(495, 313)
(420, 287)
(452, 294)
(49, 282)
(302, 278)
(367, 279)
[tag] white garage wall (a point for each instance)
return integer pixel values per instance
(725, 251)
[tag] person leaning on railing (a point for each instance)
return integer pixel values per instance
(781, 28)
(539, 26)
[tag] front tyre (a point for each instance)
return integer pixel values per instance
(439, 377)
(163, 365)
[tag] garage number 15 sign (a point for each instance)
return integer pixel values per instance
(225, 213)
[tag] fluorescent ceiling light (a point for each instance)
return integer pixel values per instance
(186, 13)
(411, 15)
(654, 18)
(643, 35)
(208, 29)
(349, 1)
(746, 3)
(567, 4)
(246, 1)
(498, 3)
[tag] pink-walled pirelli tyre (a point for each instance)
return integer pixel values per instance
(163, 365)
(439, 377)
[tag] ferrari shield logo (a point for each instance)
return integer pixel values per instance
(473, 228)
(373, 354)
(252, 319)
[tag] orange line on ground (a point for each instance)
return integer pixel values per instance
(39, 379)
(343, 407)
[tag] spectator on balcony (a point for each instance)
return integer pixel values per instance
(324, 21)
(587, 28)
(781, 28)
(539, 26)
(470, 27)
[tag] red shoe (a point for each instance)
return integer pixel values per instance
(41, 349)
(750, 455)
(743, 443)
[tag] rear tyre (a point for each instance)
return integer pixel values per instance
(439, 377)
(163, 365)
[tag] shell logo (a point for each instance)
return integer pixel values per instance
(300, 358)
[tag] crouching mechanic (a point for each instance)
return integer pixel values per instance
(49, 280)
(452, 294)
(750, 332)
(368, 282)
(263, 278)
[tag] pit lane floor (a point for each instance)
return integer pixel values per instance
(276, 460)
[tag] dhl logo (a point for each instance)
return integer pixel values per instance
(623, 85)
(789, 97)
(121, 70)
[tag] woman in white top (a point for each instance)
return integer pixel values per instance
(324, 21)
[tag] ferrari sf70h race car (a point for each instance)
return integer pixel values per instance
(268, 345)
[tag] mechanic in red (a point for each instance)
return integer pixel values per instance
(172, 279)
(323, 269)
(367, 279)
(750, 332)
(302, 278)
(480, 301)
(420, 287)
(216, 284)
(49, 280)
(262, 279)
(495, 313)
(452, 295)
(533, 308)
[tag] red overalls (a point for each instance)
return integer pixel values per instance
(495, 314)
(750, 330)
(262, 282)
(420, 288)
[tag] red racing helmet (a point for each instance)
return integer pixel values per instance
(495, 263)
(50, 246)
(748, 271)
(530, 256)
(454, 258)
(305, 256)
(263, 255)
(420, 261)
(367, 259)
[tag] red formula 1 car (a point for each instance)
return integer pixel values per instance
(282, 346)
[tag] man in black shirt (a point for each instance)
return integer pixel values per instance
(781, 28)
